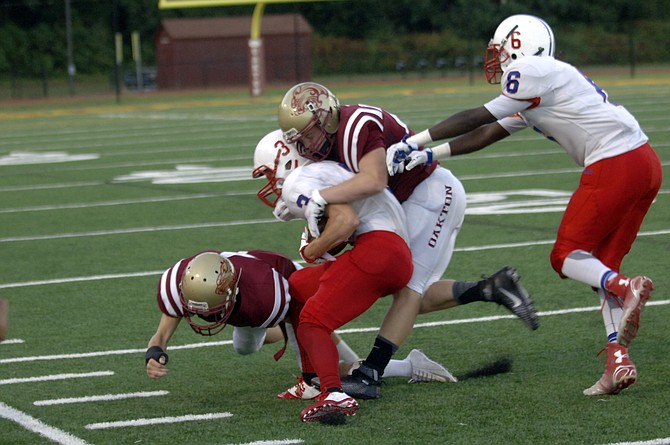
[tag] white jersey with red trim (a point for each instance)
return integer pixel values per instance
(378, 212)
(557, 100)
(263, 293)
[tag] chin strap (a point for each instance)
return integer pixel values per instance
(279, 353)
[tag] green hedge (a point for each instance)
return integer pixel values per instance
(578, 44)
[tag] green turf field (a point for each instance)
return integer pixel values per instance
(98, 198)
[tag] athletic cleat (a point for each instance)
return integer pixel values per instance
(363, 383)
(426, 370)
(331, 408)
(619, 373)
(638, 291)
(505, 288)
(300, 390)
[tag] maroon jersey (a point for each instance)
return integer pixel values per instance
(364, 128)
(262, 298)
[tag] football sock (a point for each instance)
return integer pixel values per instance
(381, 354)
(346, 354)
(581, 266)
(468, 291)
(322, 353)
(308, 376)
(398, 368)
(612, 312)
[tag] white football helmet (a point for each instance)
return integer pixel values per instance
(517, 36)
(305, 106)
(208, 290)
(275, 159)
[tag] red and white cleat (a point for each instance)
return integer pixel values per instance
(619, 373)
(331, 408)
(300, 390)
(638, 291)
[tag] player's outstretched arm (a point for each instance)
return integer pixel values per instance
(455, 125)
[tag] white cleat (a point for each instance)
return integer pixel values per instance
(300, 390)
(427, 370)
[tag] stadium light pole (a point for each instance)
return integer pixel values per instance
(70, 58)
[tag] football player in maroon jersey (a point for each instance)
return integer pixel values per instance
(250, 291)
(433, 199)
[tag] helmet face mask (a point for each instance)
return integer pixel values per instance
(275, 159)
(208, 292)
(309, 117)
(517, 36)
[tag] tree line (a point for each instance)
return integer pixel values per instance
(381, 33)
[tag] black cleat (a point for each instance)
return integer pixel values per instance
(363, 383)
(505, 288)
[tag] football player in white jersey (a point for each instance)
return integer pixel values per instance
(275, 159)
(339, 289)
(622, 173)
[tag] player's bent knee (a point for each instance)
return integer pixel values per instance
(557, 257)
(312, 316)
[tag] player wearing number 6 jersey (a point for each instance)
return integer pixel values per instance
(621, 178)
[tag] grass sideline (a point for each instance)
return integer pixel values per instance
(98, 198)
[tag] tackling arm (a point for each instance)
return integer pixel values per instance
(371, 179)
(341, 224)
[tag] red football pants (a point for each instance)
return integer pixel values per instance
(604, 215)
(336, 292)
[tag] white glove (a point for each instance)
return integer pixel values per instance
(396, 155)
(305, 239)
(314, 212)
(419, 157)
(281, 211)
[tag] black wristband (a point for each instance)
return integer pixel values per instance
(155, 352)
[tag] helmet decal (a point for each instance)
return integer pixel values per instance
(274, 160)
(309, 118)
(306, 99)
(517, 36)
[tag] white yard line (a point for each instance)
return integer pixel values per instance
(664, 441)
(156, 421)
(36, 426)
(105, 353)
(136, 230)
(235, 223)
(339, 331)
(46, 378)
(101, 398)
(272, 442)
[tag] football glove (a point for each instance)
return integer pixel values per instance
(305, 239)
(314, 212)
(396, 155)
(419, 157)
(281, 211)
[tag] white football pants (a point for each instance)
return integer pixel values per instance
(435, 212)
